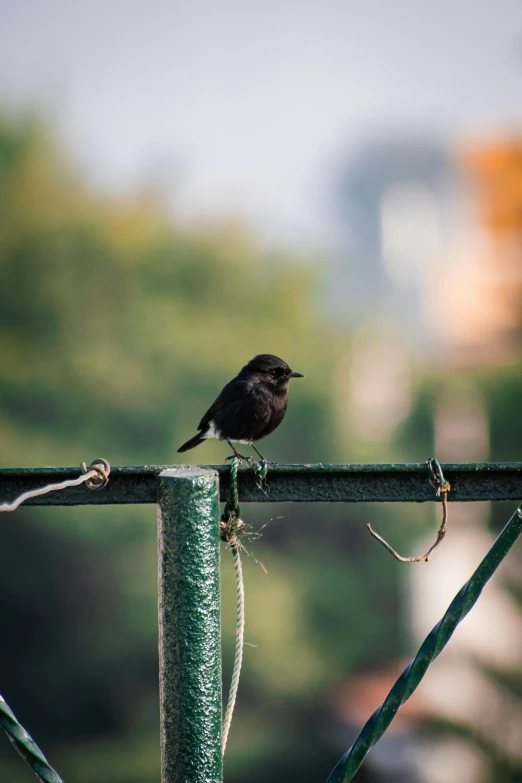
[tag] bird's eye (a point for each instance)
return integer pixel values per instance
(274, 372)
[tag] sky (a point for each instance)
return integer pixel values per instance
(249, 109)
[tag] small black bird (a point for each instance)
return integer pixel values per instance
(250, 407)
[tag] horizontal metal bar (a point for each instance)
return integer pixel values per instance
(301, 483)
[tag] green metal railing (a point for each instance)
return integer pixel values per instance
(189, 591)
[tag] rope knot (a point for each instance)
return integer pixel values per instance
(231, 524)
(102, 469)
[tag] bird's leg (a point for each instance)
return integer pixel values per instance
(258, 453)
(237, 454)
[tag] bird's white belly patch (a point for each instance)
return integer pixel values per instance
(212, 432)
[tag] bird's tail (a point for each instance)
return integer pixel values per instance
(192, 443)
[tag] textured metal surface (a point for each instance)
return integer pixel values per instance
(26, 746)
(189, 626)
(430, 649)
(303, 483)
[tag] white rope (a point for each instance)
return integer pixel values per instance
(99, 470)
(33, 493)
(240, 633)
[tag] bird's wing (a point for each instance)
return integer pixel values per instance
(228, 398)
(240, 411)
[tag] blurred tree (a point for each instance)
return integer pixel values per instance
(118, 327)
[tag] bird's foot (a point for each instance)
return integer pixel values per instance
(240, 457)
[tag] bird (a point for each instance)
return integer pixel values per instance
(249, 407)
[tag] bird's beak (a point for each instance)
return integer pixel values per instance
(296, 375)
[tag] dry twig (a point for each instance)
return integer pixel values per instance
(442, 488)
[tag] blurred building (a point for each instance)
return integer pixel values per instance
(480, 307)
(400, 207)
(429, 269)
(396, 207)
(431, 241)
(431, 273)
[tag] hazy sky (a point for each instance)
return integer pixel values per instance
(248, 107)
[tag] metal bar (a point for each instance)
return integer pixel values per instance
(26, 746)
(302, 483)
(432, 646)
(189, 626)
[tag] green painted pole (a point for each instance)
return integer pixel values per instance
(189, 626)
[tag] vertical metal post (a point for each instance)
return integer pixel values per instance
(189, 626)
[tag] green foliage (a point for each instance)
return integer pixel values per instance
(118, 327)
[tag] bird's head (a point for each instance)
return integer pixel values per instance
(271, 370)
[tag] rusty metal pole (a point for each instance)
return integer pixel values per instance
(189, 626)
